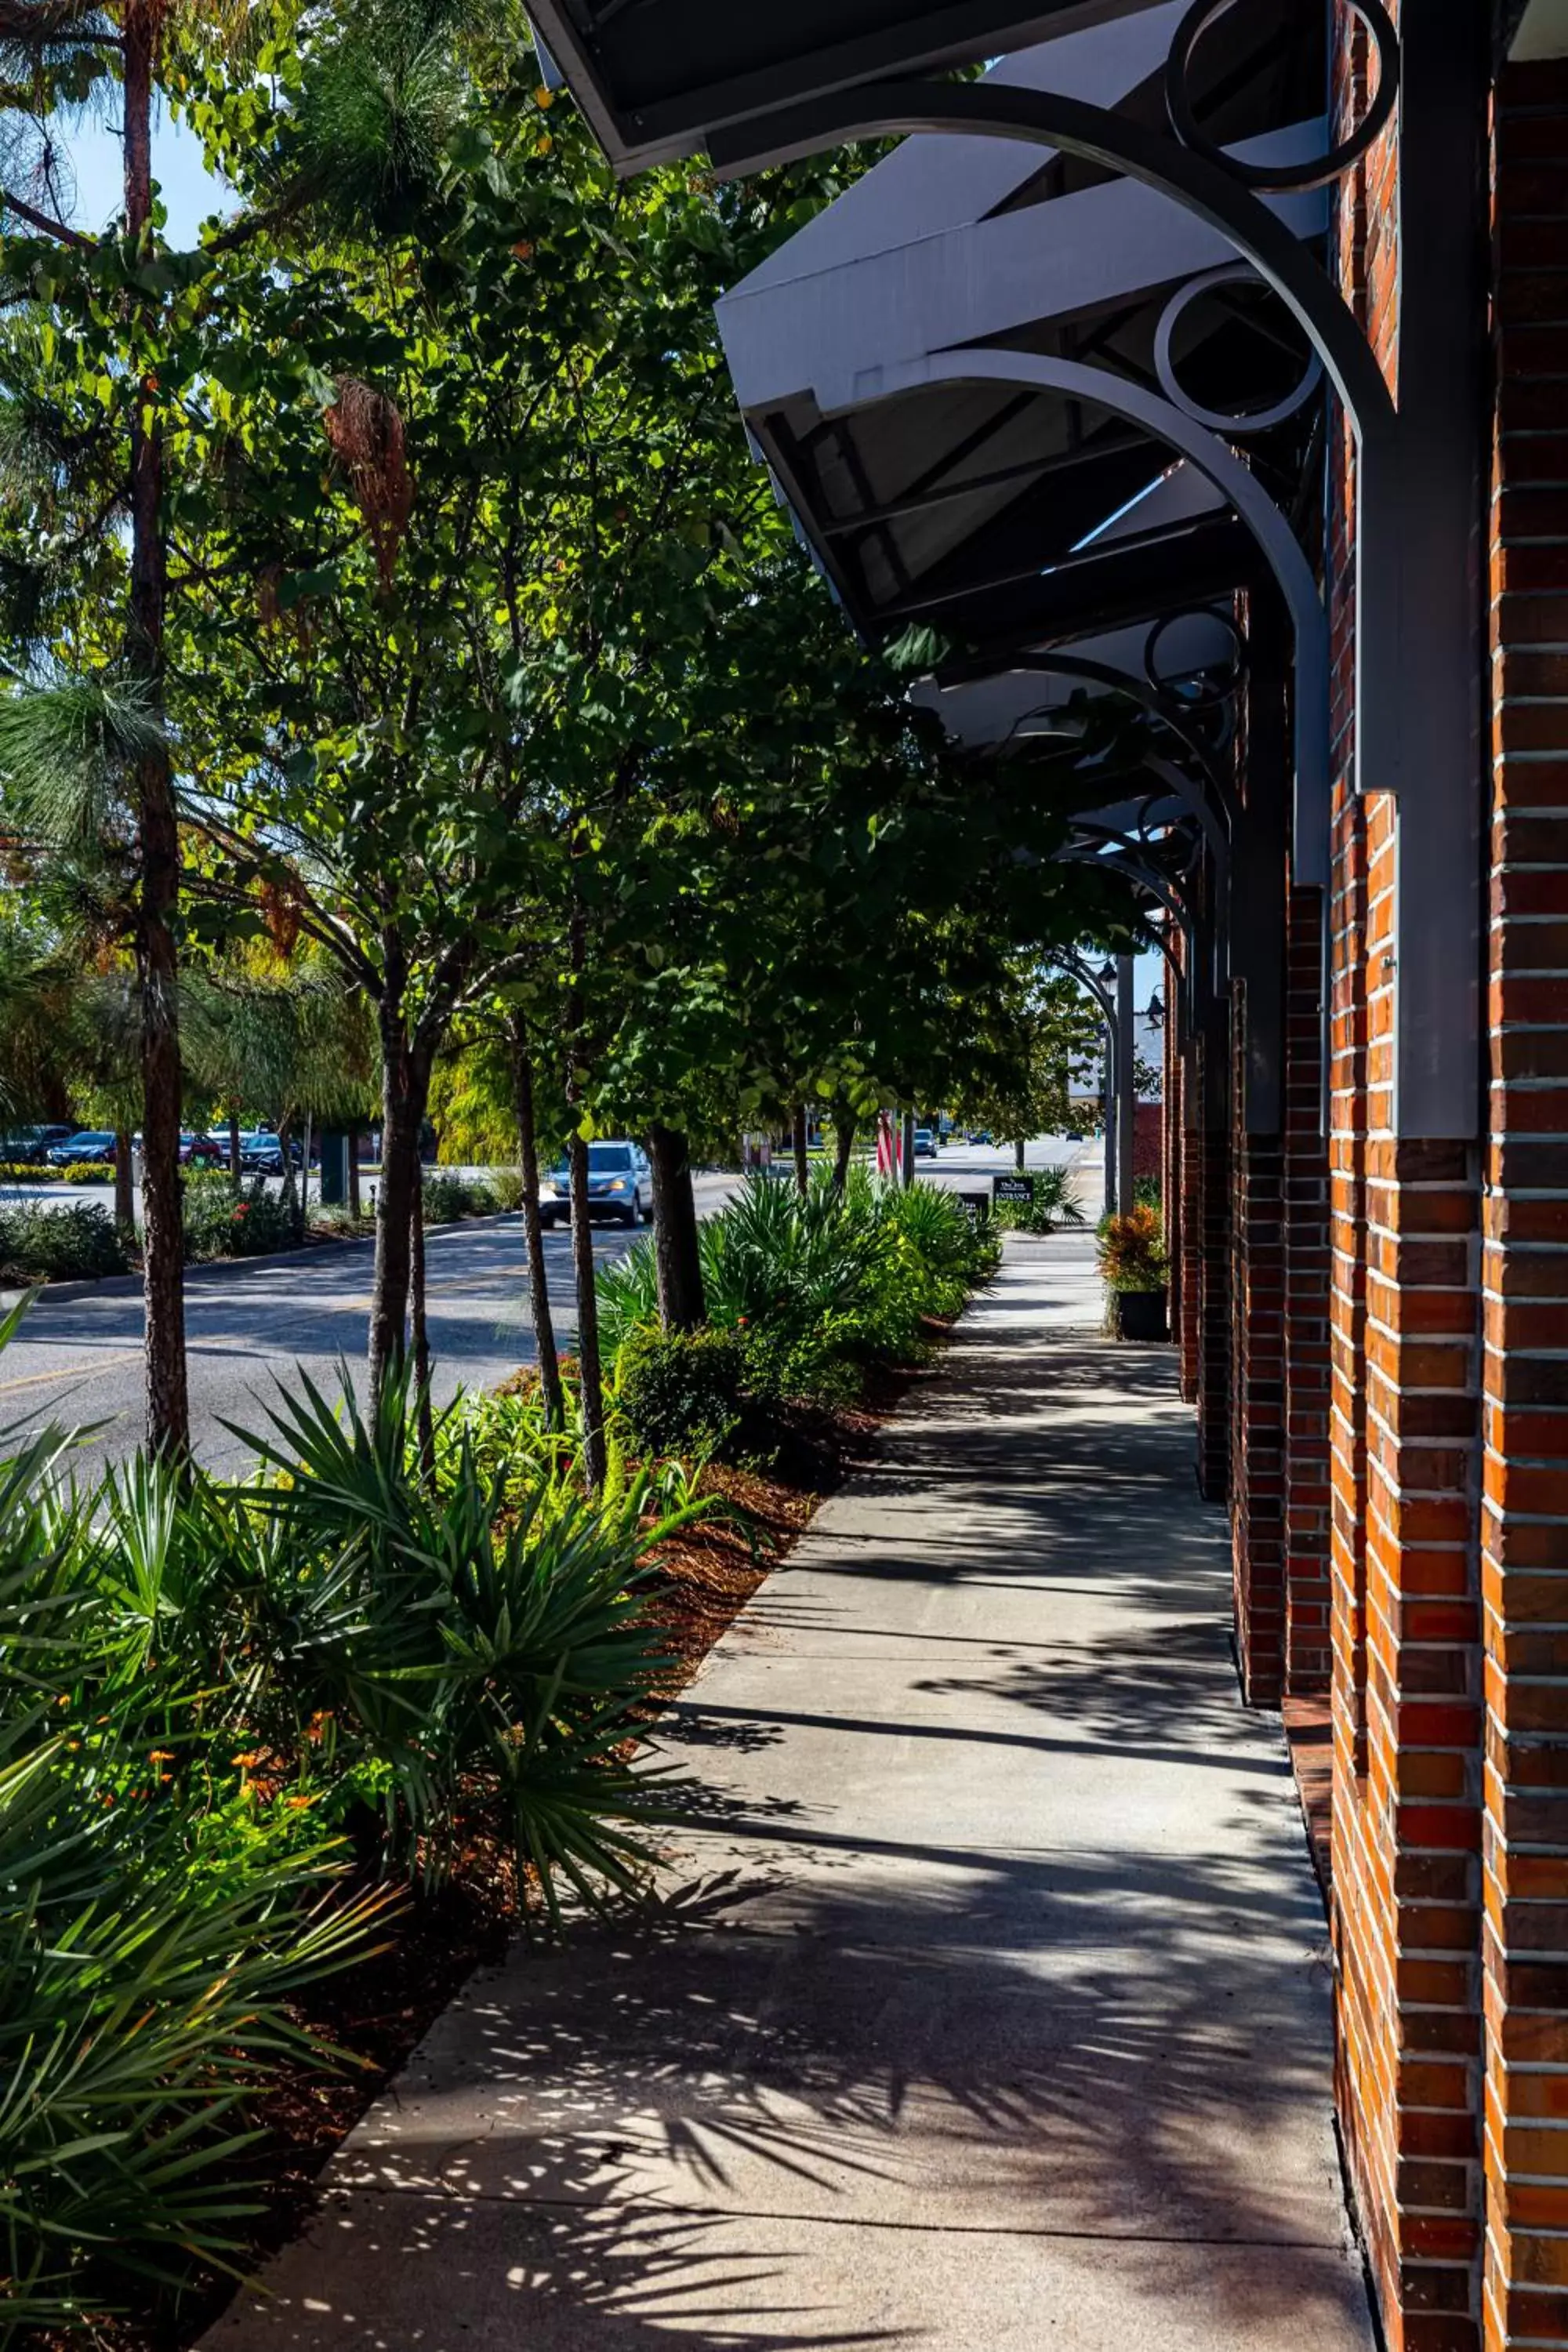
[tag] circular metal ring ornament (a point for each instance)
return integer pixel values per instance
(1257, 420)
(1207, 698)
(1282, 179)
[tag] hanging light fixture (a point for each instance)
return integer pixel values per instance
(1155, 1015)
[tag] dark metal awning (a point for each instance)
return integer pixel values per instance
(1002, 394)
(655, 77)
(919, 496)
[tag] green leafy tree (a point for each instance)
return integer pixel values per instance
(459, 575)
(100, 361)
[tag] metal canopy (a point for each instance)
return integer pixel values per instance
(655, 77)
(921, 502)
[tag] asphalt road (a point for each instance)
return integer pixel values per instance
(77, 1358)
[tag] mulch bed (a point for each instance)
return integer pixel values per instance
(377, 2013)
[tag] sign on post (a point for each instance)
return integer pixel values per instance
(1019, 1190)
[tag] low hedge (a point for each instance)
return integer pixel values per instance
(38, 1172)
(80, 1244)
(681, 1392)
(449, 1197)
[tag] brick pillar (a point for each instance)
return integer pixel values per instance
(1404, 1415)
(1171, 1174)
(1190, 1146)
(1305, 1319)
(1407, 1825)
(1211, 1271)
(1257, 1413)
(1524, 1515)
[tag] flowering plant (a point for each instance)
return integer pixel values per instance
(1132, 1251)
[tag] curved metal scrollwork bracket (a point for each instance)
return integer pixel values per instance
(1282, 179)
(1234, 481)
(1213, 193)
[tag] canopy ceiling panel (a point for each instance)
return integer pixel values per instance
(655, 77)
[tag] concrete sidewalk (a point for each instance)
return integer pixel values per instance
(991, 2009)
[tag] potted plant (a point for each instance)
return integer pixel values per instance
(1133, 1262)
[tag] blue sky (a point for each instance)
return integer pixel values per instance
(188, 190)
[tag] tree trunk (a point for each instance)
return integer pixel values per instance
(302, 1214)
(291, 1190)
(405, 1083)
(802, 1162)
(353, 1174)
(844, 1125)
(235, 1170)
(422, 1405)
(678, 1253)
(590, 1370)
(124, 1183)
(534, 1232)
(157, 835)
(595, 1458)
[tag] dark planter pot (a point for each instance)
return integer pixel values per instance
(1139, 1315)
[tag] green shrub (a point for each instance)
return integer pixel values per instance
(41, 1242)
(157, 1911)
(83, 1171)
(212, 1699)
(505, 1186)
(448, 1198)
(628, 1290)
(817, 1367)
(681, 1392)
(148, 1962)
(819, 1287)
(221, 1223)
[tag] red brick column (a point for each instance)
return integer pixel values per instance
(1171, 1177)
(1212, 1284)
(1258, 1415)
(1524, 1515)
(1404, 1410)
(1305, 1319)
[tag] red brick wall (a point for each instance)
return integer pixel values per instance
(1305, 1321)
(1149, 1142)
(1256, 1390)
(1171, 1138)
(1213, 1144)
(1524, 1515)
(1404, 1414)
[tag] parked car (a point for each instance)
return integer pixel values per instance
(620, 1186)
(261, 1154)
(555, 1207)
(89, 1147)
(925, 1143)
(980, 1135)
(26, 1146)
(201, 1151)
